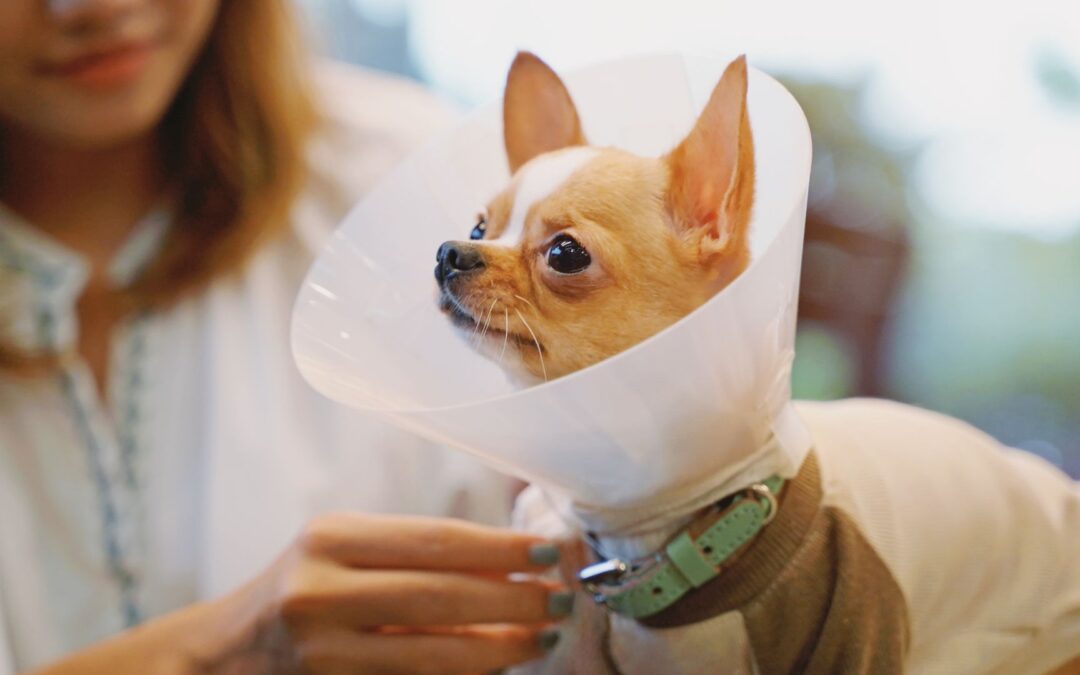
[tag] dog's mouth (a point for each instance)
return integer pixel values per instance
(491, 326)
(456, 313)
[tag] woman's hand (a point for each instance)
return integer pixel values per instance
(368, 594)
(401, 595)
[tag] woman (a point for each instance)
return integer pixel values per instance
(164, 174)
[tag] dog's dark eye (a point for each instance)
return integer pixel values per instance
(567, 256)
(480, 229)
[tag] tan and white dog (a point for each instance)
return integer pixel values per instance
(908, 541)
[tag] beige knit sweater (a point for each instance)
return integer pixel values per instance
(909, 542)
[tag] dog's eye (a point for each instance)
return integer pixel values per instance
(480, 229)
(567, 256)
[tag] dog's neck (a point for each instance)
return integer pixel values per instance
(645, 527)
(628, 546)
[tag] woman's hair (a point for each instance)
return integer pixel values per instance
(233, 143)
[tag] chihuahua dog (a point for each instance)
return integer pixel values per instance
(907, 542)
(590, 250)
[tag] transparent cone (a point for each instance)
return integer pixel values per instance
(707, 399)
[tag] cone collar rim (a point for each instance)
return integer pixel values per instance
(796, 199)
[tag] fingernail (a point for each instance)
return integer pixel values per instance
(548, 639)
(543, 555)
(560, 604)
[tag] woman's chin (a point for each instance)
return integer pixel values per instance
(94, 121)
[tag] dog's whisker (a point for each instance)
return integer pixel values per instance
(478, 336)
(476, 326)
(539, 351)
(484, 332)
(487, 322)
(525, 300)
(506, 333)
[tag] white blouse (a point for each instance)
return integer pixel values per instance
(211, 451)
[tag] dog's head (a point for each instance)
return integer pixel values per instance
(589, 250)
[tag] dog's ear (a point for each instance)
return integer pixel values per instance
(538, 114)
(711, 189)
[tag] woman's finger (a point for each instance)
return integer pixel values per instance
(466, 651)
(364, 598)
(399, 542)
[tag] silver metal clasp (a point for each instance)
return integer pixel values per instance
(605, 571)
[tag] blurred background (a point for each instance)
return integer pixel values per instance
(942, 262)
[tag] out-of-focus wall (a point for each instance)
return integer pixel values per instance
(942, 262)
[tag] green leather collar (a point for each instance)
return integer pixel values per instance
(647, 585)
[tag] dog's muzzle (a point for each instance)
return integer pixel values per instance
(457, 258)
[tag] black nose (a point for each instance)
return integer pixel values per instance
(455, 258)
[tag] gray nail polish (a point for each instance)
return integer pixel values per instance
(548, 639)
(560, 604)
(544, 555)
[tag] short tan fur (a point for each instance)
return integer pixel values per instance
(662, 235)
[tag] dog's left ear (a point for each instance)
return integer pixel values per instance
(711, 188)
(538, 114)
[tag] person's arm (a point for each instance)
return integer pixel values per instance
(160, 646)
(359, 594)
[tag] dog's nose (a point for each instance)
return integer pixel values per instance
(456, 257)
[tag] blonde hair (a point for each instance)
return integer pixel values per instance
(233, 142)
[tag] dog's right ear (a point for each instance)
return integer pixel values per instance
(711, 192)
(538, 114)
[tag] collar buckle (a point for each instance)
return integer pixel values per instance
(645, 586)
(603, 572)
